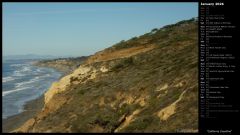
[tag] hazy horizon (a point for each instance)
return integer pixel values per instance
(81, 29)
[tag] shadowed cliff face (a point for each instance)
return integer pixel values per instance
(145, 84)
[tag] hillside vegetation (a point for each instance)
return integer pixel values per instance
(146, 84)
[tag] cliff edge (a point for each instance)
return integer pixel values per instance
(146, 84)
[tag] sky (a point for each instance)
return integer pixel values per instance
(80, 29)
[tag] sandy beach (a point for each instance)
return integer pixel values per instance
(31, 109)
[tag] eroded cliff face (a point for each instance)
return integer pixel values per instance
(62, 85)
(147, 84)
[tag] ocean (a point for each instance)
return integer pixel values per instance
(22, 82)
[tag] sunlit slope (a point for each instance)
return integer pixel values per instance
(146, 84)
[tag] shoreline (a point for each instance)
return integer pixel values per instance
(31, 108)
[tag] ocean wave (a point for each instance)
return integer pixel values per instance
(30, 82)
(22, 71)
(17, 65)
(7, 79)
(17, 73)
(25, 69)
(40, 70)
(4, 93)
(27, 82)
(44, 76)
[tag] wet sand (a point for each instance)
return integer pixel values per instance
(31, 109)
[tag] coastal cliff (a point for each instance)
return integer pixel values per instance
(146, 84)
(65, 65)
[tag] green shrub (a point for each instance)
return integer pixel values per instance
(123, 63)
(72, 79)
(154, 30)
(140, 124)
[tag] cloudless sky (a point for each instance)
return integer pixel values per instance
(77, 29)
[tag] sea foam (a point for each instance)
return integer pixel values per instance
(7, 79)
(4, 93)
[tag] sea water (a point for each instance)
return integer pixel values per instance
(22, 82)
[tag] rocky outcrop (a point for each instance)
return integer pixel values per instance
(62, 85)
(146, 84)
